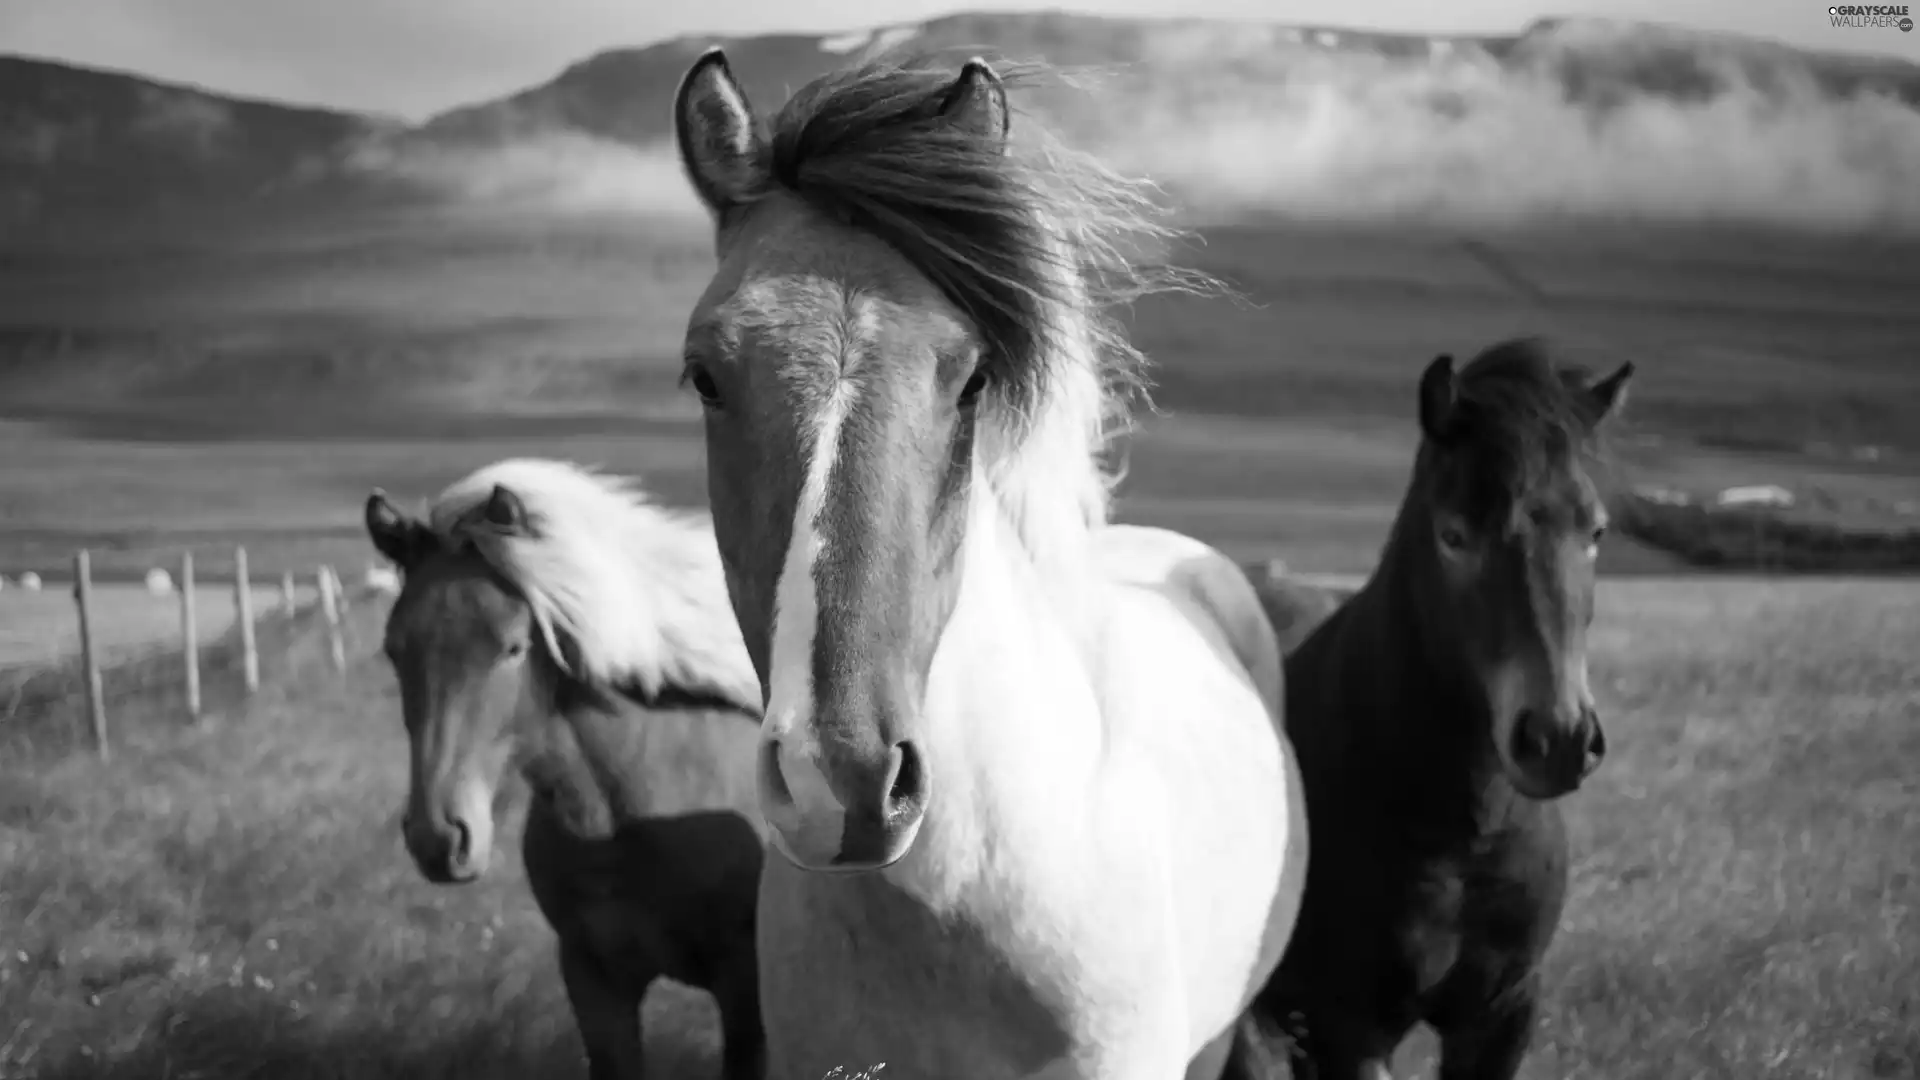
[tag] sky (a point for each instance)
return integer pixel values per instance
(413, 58)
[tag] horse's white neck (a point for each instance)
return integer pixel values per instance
(1050, 495)
(1011, 715)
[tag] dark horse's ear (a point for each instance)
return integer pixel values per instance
(1437, 395)
(977, 100)
(722, 148)
(1610, 393)
(395, 535)
(505, 512)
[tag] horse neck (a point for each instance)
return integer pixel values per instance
(586, 762)
(1050, 488)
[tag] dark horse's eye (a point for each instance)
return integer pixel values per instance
(1599, 531)
(516, 650)
(976, 384)
(702, 382)
(1453, 537)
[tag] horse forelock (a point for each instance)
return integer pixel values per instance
(1031, 241)
(1524, 421)
(623, 592)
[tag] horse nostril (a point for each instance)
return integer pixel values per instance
(909, 786)
(1531, 742)
(1596, 741)
(462, 851)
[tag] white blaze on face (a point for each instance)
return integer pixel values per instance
(473, 801)
(796, 614)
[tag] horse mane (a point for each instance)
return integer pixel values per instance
(626, 594)
(1525, 418)
(1034, 242)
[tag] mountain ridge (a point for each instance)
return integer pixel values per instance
(78, 142)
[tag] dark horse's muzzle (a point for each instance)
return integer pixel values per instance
(1553, 756)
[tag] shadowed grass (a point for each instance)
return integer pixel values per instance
(232, 902)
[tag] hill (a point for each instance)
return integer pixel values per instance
(1620, 119)
(78, 143)
(1241, 117)
(1742, 219)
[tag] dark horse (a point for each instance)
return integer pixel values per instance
(552, 620)
(1437, 714)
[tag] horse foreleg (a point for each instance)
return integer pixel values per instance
(606, 1009)
(1333, 1050)
(1491, 1046)
(743, 1051)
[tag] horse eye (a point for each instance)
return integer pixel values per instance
(976, 385)
(516, 650)
(1599, 532)
(702, 382)
(1453, 537)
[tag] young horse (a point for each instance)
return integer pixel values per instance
(1035, 812)
(556, 620)
(1437, 714)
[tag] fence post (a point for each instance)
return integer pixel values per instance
(190, 635)
(339, 591)
(323, 578)
(243, 610)
(286, 594)
(83, 596)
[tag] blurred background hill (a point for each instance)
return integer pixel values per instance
(193, 274)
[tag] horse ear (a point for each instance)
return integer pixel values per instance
(505, 512)
(1437, 395)
(977, 100)
(1610, 393)
(394, 534)
(722, 148)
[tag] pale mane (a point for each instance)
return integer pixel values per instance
(635, 589)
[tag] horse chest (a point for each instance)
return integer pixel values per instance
(1473, 916)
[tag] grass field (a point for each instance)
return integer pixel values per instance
(253, 390)
(233, 902)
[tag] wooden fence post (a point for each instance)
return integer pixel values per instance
(190, 635)
(243, 610)
(83, 596)
(339, 591)
(287, 605)
(332, 613)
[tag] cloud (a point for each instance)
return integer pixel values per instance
(563, 172)
(182, 117)
(1579, 120)
(1463, 138)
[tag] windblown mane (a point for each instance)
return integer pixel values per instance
(1032, 241)
(625, 593)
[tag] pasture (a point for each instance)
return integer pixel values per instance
(251, 390)
(233, 901)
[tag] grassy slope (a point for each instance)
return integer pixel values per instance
(233, 902)
(255, 392)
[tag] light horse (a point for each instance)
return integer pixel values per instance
(553, 620)
(1034, 812)
(1437, 714)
